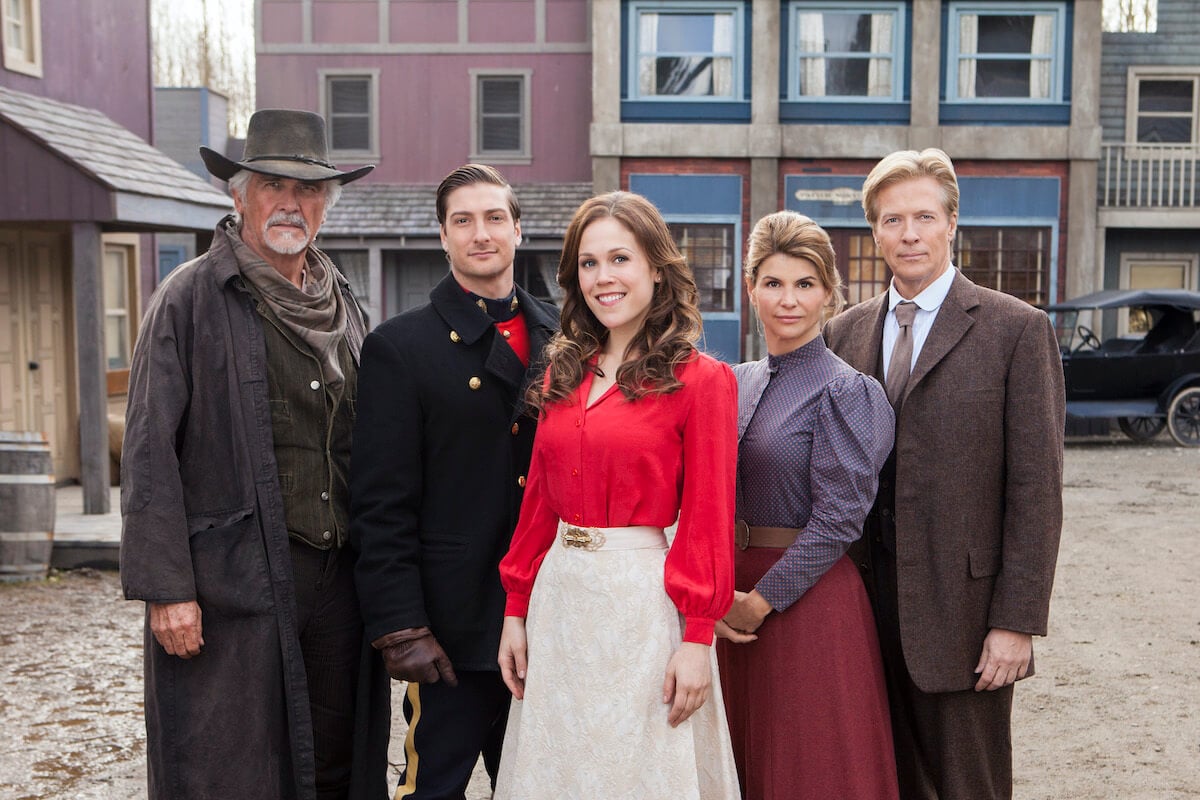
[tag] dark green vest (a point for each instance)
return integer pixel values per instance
(312, 425)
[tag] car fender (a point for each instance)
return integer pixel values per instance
(1176, 386)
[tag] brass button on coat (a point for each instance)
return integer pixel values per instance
(507, 334)
(454, 337)
(474, 383)
(521, 480)
(516, 429)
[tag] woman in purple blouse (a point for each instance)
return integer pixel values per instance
(800, 664)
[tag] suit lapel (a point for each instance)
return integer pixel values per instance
(864, 350)
(951, 324)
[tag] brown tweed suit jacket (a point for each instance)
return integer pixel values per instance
(979, 441)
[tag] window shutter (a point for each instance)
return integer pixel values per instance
(350, 113)
(501, 101)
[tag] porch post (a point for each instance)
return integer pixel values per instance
(88, 290)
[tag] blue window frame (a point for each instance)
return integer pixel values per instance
(1006, 53)
(686, 51)
(846, 52)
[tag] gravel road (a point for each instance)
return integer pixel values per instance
(1112, 713)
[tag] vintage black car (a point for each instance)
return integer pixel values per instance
(1134, 356)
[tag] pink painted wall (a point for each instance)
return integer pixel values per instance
(281, 21)
(345, 22)
(425, 115)
(95, 55)
(423, 21)
(502, 21)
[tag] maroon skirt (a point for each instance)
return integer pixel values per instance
(807, 704)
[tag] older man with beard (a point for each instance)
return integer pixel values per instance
(235, 497)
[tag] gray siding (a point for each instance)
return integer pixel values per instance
(1176, 44)
(184, 119)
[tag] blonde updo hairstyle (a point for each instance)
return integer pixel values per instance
(798, 236)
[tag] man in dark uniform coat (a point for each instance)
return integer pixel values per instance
(441, 446)
(961, 545)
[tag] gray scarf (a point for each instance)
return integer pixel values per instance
(318, 315)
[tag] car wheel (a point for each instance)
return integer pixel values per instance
(1141, 429)
(1183, 417)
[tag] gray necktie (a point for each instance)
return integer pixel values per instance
(901, 363)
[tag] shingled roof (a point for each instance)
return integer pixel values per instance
(393, 210)
(110, 153)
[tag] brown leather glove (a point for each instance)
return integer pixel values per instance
(414, 655)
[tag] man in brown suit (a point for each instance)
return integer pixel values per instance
(958, 553)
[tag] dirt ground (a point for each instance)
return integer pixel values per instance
(1114, 711)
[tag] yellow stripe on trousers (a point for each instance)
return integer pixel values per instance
(410, 745)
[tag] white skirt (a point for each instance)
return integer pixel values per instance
(601, 630)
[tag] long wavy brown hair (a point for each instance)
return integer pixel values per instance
(669, 333)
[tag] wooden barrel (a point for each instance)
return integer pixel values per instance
(26, 506)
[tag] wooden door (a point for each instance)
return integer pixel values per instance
(37, 367)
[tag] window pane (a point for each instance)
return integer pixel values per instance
(849, 76)
(349, 96)
(1001, 34)
(350, 133)
(116, 342)
(708, 250)
(14, 31)
(1164, 129)
(501, 106)
(848, 37)
(1011, 260)
(116, 306)
(866, 273)
(683, 75)
(847, 33)
(114, 280)
(501, 133)
(1002, 78)
(500, 95)
(687, 33)
(1165, 96)
(1158, 276)
(685, 54)
(349, 113)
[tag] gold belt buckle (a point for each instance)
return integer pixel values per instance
(583, 538)
(741, 534)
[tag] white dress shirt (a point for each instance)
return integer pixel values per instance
(928, 302)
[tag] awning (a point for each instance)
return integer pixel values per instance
(64, 162)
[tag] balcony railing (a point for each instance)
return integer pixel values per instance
(1149, 176)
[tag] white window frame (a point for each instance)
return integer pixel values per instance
(737, 53)
(1135, 76)
(525, 154)
(896, 54)
(127, 247)
(27, 58)
(372, 76)
(1055, 61)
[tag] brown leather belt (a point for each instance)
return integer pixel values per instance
(757, 536)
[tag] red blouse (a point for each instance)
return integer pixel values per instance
(646, 462)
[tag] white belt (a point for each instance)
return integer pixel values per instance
(633, 537)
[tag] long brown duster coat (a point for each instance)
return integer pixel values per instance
(203, 520)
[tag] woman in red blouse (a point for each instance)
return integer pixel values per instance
(607, 639)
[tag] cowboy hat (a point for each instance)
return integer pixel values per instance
(285, 143)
